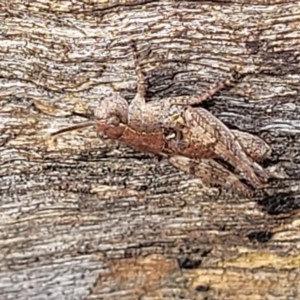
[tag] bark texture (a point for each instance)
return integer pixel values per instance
(82, 218)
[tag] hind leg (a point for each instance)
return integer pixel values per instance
(206, 136)
(211, 172)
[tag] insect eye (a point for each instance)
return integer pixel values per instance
(113, 120)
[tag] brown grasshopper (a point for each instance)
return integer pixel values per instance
(191, 138)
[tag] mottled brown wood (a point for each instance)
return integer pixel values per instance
(83, 218)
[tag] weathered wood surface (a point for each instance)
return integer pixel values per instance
(88, 219)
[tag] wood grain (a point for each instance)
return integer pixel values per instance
(84, 218)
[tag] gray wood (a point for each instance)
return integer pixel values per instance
(82, 218)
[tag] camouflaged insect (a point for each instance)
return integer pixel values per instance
(191, 138)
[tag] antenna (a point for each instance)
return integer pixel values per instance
(73, 127)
